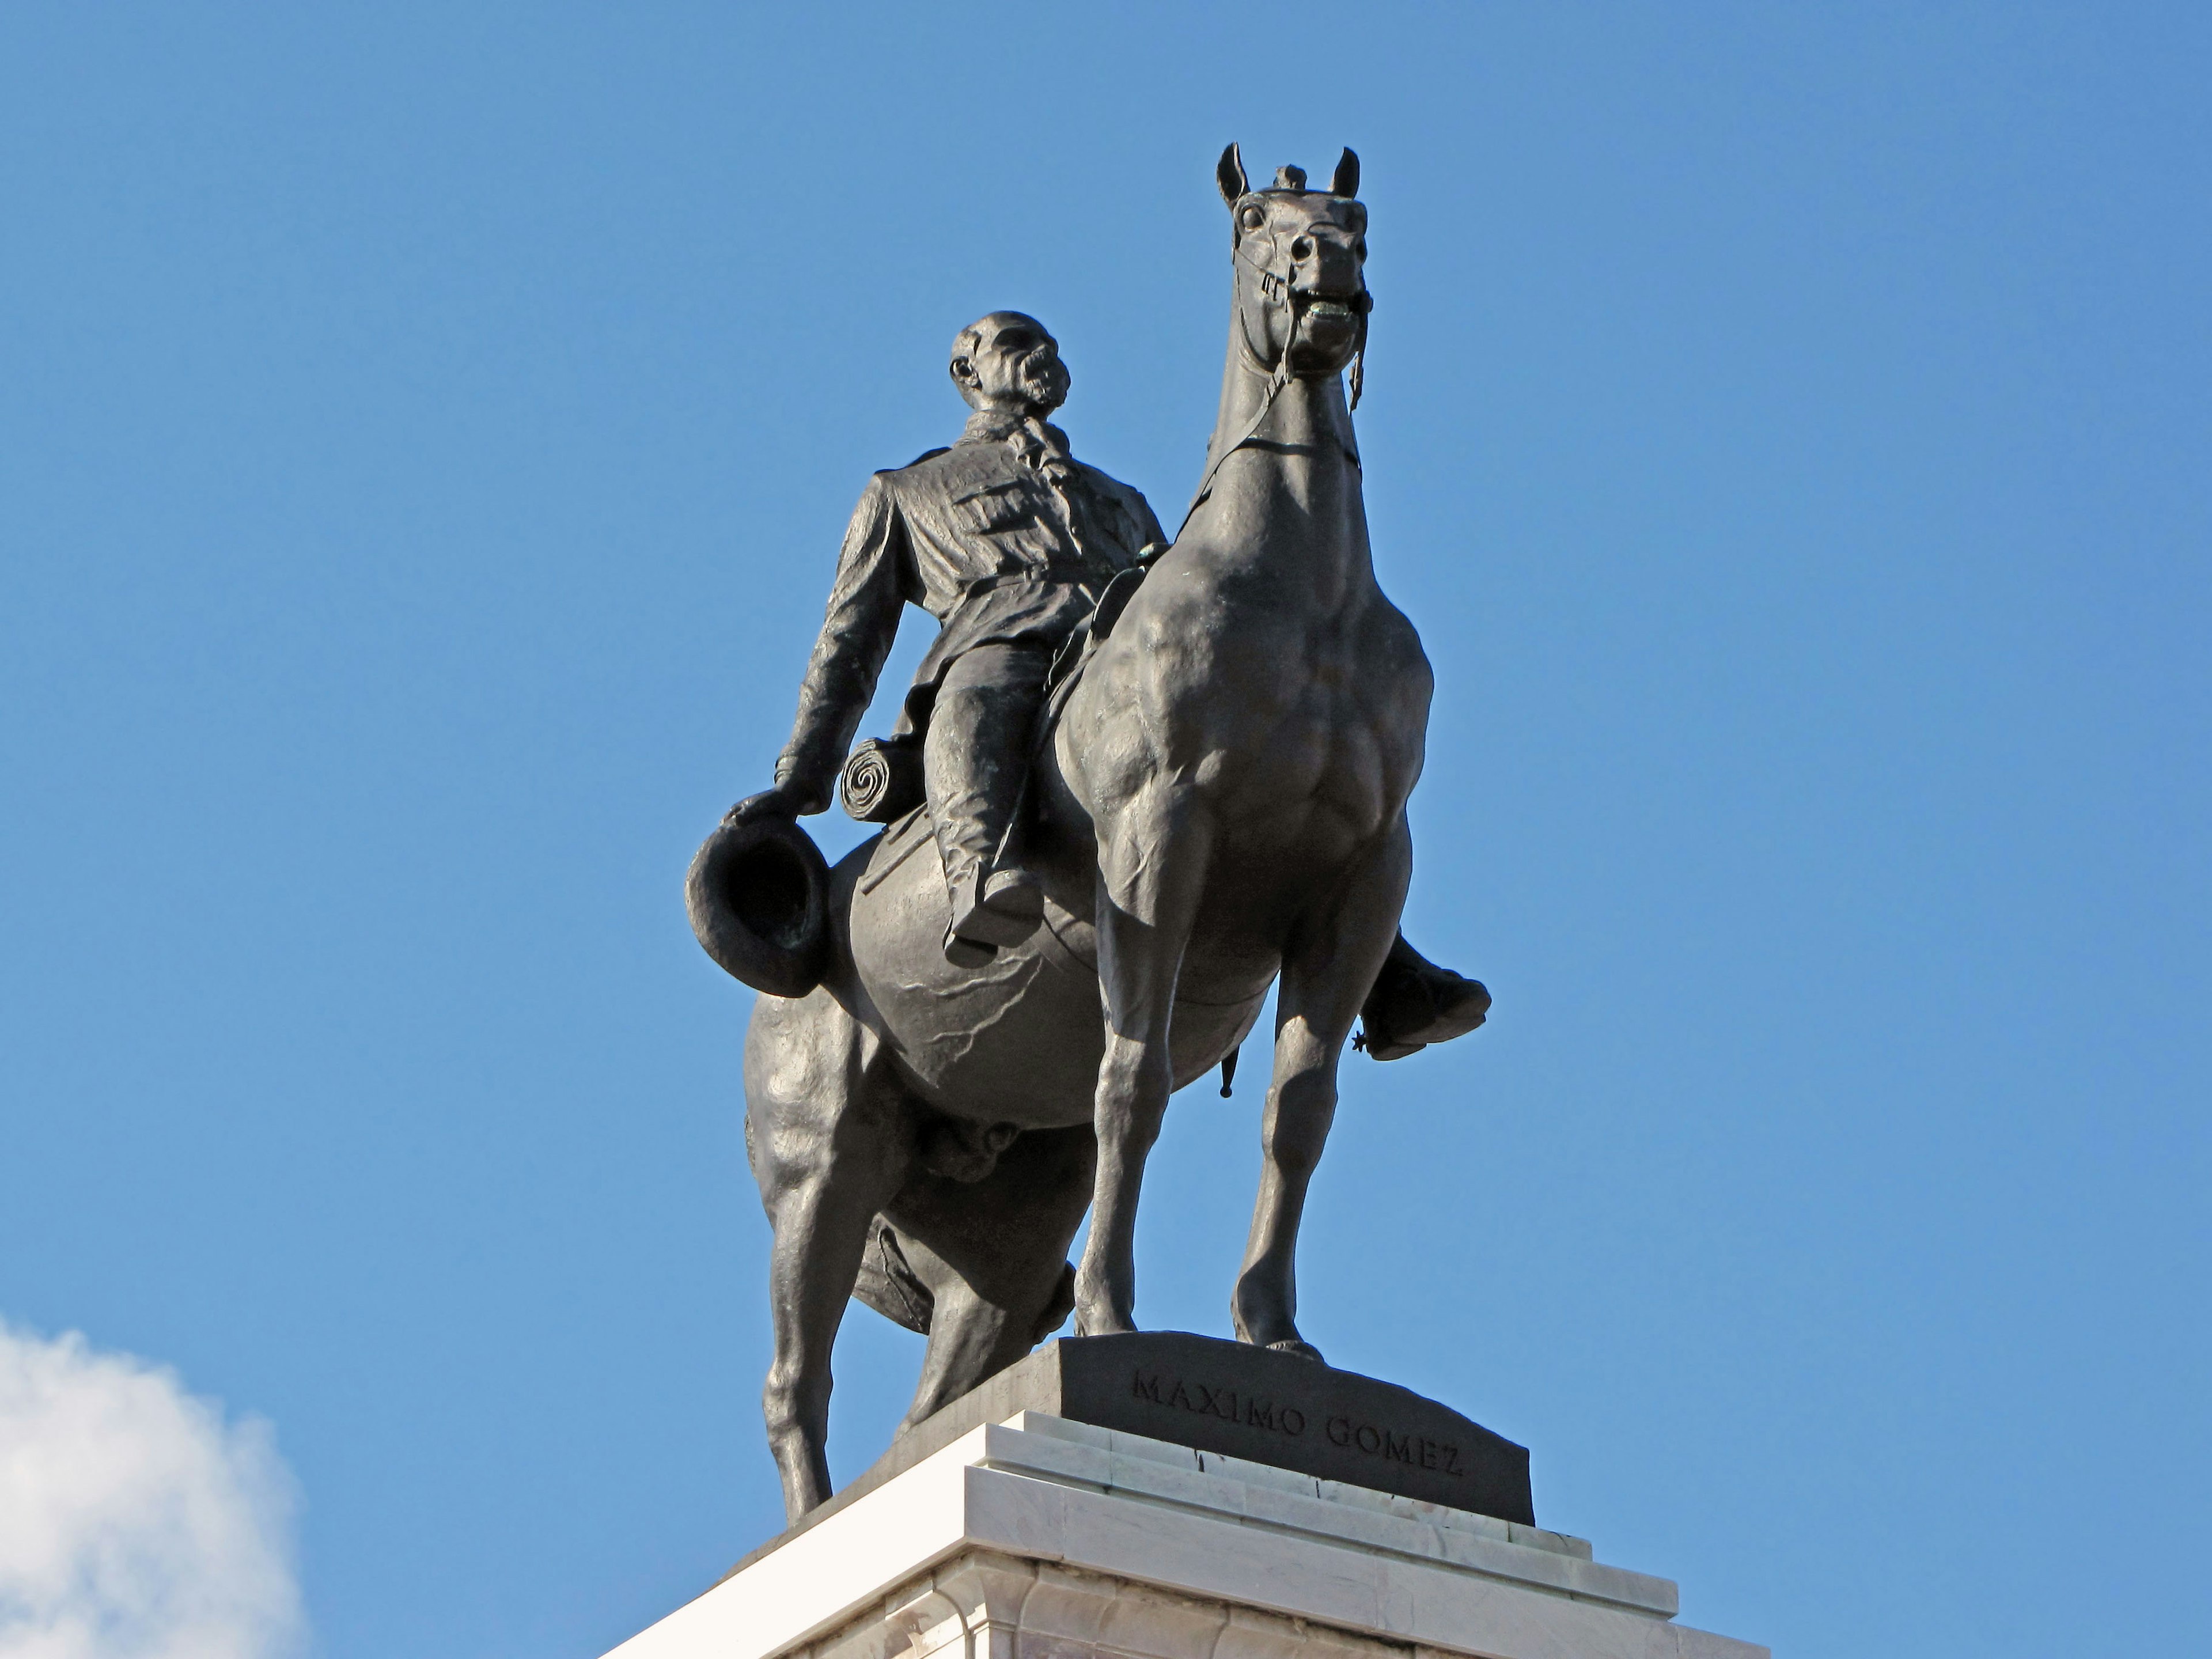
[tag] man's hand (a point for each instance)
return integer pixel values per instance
(784, 801)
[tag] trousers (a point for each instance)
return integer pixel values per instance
(975, 756)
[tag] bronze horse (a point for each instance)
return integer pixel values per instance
(1219, 798)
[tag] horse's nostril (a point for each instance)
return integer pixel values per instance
(1302, 248)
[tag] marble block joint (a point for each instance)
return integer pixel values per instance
(1046, 1538)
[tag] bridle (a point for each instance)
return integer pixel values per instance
(1275, 289)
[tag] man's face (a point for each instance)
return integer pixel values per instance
(1014, 364)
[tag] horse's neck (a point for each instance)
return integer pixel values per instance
(1283, 483)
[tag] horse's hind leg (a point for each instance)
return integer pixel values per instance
(993, 1255)
(1332, 963)
(830, 1142)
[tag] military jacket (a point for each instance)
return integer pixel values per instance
(1000, 538)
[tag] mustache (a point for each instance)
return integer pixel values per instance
(1042, 373)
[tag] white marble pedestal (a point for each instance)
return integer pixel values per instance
(1045, 1539)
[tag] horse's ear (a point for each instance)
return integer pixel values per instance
(1228, 173)
(1347, 182)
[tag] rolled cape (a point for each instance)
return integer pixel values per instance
(882, 779)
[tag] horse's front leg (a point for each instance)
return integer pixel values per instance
(1333, 962)
(1151, 871)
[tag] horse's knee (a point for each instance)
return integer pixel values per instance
(1296, 1156)
(1129, 1063)
(1298, 1123)
(1134, 1081)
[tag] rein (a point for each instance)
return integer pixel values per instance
(1276, 381)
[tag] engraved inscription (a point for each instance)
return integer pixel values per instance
(1224, 1403)
(1371, 1439)
(1410, 1449)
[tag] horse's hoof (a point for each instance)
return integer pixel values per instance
(1107, 1326)
(1298, 1347)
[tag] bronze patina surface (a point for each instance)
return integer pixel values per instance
(1156, 780)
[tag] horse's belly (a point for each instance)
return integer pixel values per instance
(1017, 1040)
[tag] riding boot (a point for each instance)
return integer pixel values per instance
(1415, 1003)
(974, 761)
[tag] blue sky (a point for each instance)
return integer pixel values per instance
(425, 435)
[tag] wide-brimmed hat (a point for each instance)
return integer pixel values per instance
(758, 895)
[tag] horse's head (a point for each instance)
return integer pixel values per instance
(1302, 299)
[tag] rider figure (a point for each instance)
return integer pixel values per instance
(1008, 541)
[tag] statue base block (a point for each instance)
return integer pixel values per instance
(1045, 1536)
(1247, 1402)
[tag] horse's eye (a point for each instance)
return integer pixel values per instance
(1302, 248)
(1252, 217)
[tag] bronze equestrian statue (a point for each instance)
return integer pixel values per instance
(1210, 793)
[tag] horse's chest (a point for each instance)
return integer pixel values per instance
(1296, 728)
(1335, 728)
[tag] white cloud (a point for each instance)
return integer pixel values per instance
(135, 1523)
